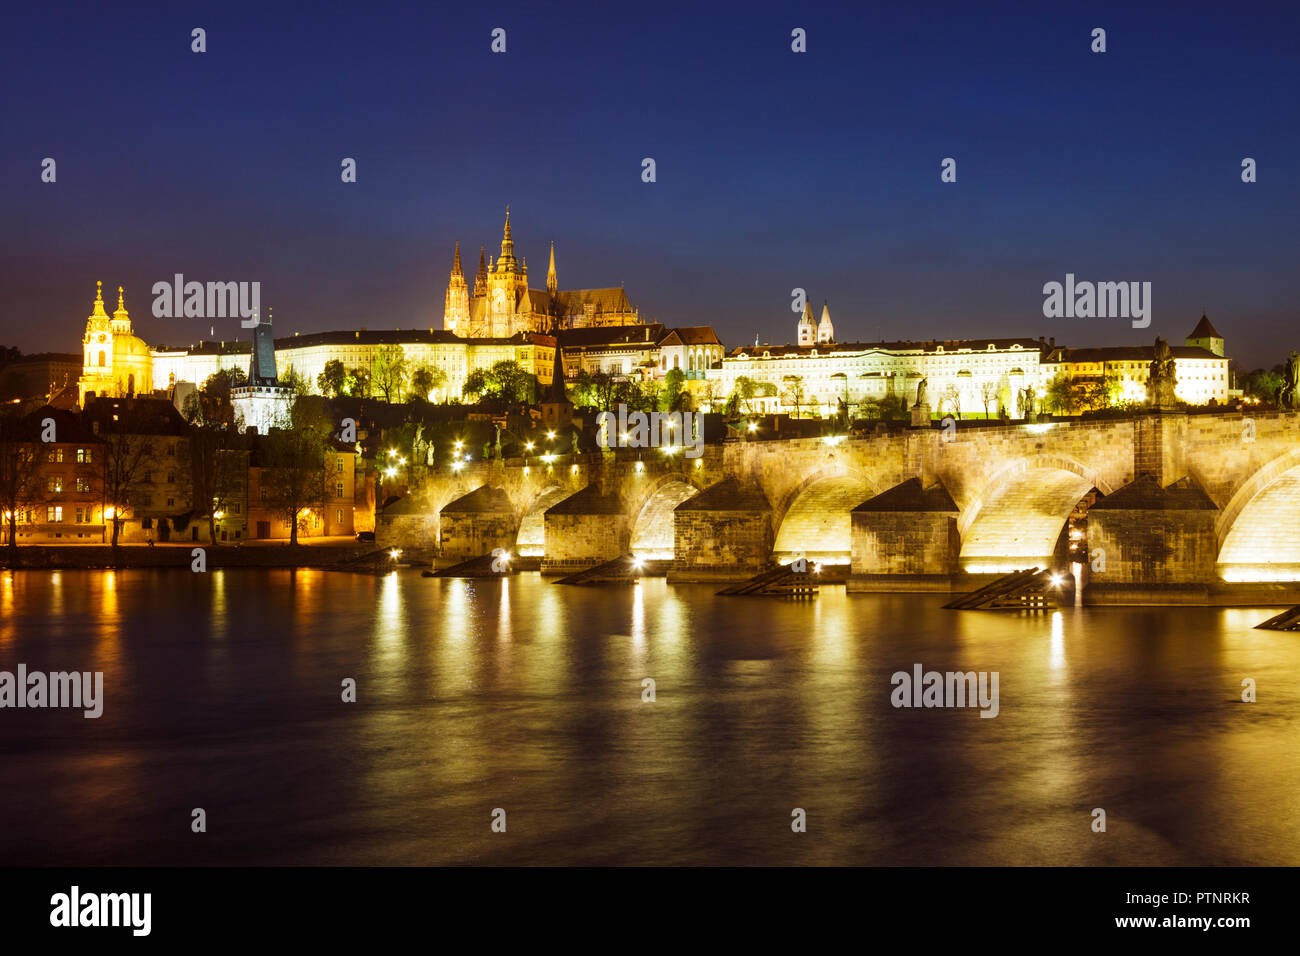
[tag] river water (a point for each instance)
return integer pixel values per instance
(223, 692)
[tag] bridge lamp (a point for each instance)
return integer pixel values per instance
(395, 553)
(753, 426)
(574, 469)
(217, 515)
(637, 562)
(670, 450)
(457, 465)
(1056, 580)
(392, 453)
(528, 445)
(401, 461)
(624, 436)
(459, 444)
(640, 467)
(390, 472)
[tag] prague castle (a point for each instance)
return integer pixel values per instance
(501, 304)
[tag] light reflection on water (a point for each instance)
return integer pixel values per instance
(223, 692)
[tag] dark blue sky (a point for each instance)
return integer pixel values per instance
(775, 170)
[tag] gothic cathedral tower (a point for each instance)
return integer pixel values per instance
(455, 315)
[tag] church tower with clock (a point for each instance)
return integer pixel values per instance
(115, 363)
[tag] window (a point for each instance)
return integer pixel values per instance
(80, 518)
(171, 502)
(171, 477)
(83, 484)
(171, 449)
(338, 516)
(234, 509)
(148, 477)
(338, 465)
(338, 489)
(263, 490)
(54, 485)
(54, 513)
(85, 455)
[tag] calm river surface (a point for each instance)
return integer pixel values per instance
(222, 691)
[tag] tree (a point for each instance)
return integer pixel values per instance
(950, 399)
(674, 382)
(20, 473)
(388, 371)
(122, 474)
(793, 394)
(294, 458)
(1265, 384)
(217, 474)
(358, 383)
(425, 379)
(211, 404)
(332, 379)
(1060, 396)
(504, 383)
(989, 392)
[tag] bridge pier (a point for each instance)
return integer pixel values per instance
(724, 532)
(905, 539)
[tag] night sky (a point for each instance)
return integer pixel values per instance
(775, 169)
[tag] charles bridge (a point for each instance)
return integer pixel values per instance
(1192, 504)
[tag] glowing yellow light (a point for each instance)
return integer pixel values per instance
(574, 469)
(753, 426)
(548, 458)
(392, 453)
(528, 445)
(109, 513)
(670, 450)
(1056, 580)
(459, 444)
(457, 465)
(624, 436)
(640, 466)
(550, 436)
(401, 461)
(699, 462)
(833, 439)
(390, 472)
(395, 553)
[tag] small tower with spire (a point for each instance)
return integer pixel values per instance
(825, 331)
(807, 327)
(552, 283)
(455, 313)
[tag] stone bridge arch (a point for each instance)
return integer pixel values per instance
(1257, 529)
(652, 514)
(1016, 518)
(815, 517)
(531, 539)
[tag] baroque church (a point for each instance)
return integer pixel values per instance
(115, 363)
(501, 305)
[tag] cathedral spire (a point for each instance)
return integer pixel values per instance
(552, 284)
(99, 301)
(506, 261)
(121, 312)
(455, 263)
(480, 280)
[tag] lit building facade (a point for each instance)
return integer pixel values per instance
(115, 363)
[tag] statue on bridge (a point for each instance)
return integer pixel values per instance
(1027, 410)
(1162, 379)
(920, 393)
(1289, 395)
